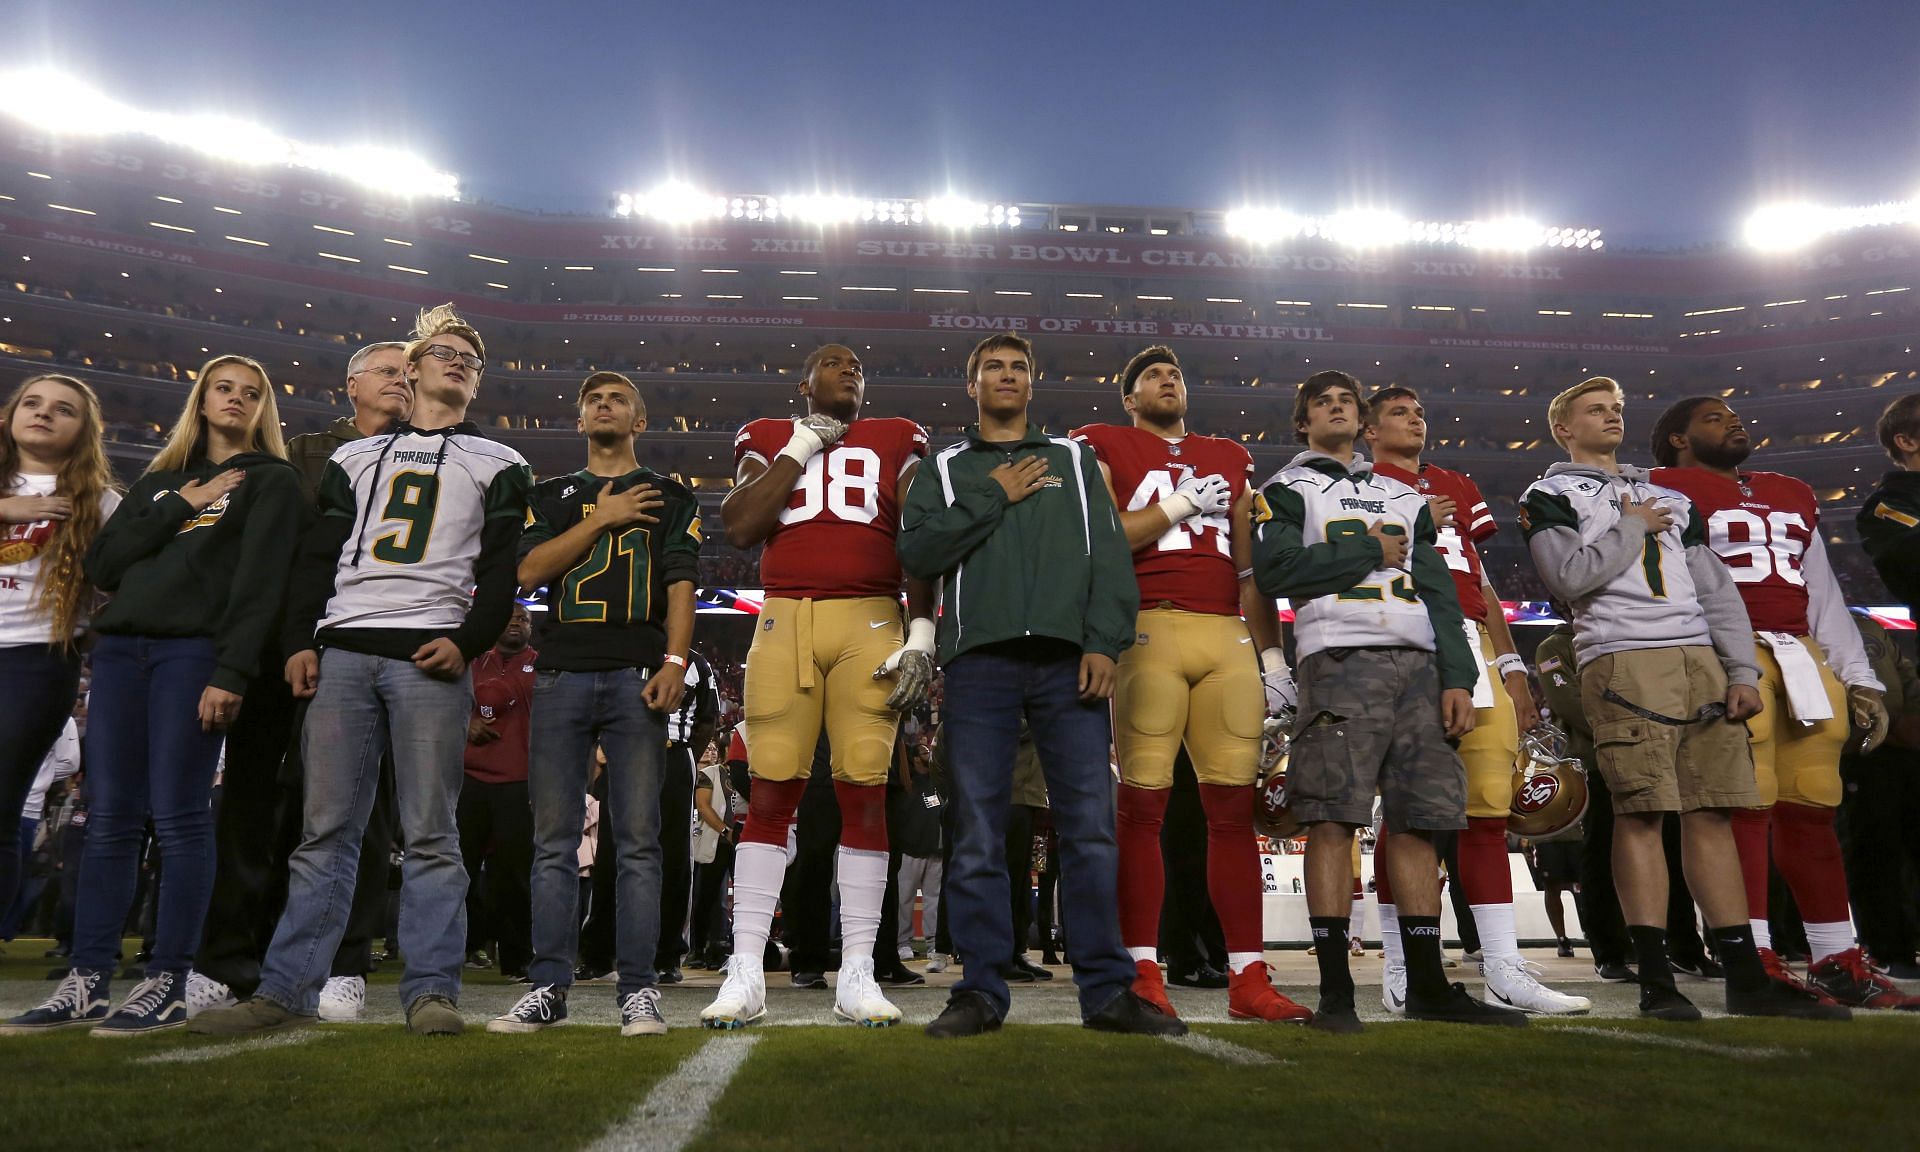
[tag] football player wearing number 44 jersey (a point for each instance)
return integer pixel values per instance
(1190, 677)
(1397, 433)
(1814, 678)
(823, 492)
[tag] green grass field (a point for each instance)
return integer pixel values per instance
(1589, 1083)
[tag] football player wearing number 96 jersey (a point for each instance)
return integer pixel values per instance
(1191, 676)
(1814, 679)
(408, 575)
(823, 492)
(1397, 434)
(1667, 673)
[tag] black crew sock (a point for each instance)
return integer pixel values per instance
(1330, 948)
(1740, 956)
(1650, 949)
(1426, 975)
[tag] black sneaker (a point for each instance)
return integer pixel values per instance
(898, 976)
(1705, 968)
(1203, 976)
(966, 1014)
(155, 1005)
(1616, 972)
(1129, 1014)
(1664, 1002)
(1774, 998)
(1335, 1014)
(478, 960)
(79, 1002)
(1565, 950)
(590, 973)
(808, 979)
(1459, 1007)
(544, 1007)
(1032, 969)
(669, 975)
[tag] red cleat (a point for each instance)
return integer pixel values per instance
(1847, 978)
(1151, 985)
(1251, 996)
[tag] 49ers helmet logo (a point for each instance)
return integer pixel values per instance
(1536, 793)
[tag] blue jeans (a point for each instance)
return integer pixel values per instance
(146, 754)
(363, 704)
(571, 712)
(986, 694)
(38, 683)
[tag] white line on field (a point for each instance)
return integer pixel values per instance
(200, 1055)
(1221, 1049)
(1768, 1052)
(673, 1113)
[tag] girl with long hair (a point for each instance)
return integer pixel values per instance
(198, 557)
(55, 491)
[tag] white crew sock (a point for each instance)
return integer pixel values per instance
(863, 885)
(1825, 940)
(1498, 936)
(1390, 941)
(758, 870)
(1238, 962)
(1762, 934)
(1139, 954)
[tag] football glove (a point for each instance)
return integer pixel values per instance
(1869, 713)
(1198, 496)
(811, 433)
(1282, 694)
(911, 666)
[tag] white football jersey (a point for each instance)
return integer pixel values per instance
(418, 502)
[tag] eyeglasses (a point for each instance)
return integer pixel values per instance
(449, 354)
(388, 373)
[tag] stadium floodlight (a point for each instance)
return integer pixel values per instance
(676, 203)
(1370, 228)
(62, 105)
(673, 203)
(1365, 228)
(1780, 227)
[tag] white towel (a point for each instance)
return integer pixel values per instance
(1806, 692)
(1482, 684)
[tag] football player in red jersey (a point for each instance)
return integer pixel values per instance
(1397, 435)
(823, 493)
(1191, 676)
(1815, 679)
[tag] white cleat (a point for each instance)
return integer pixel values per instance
(204, 992)
(1393, 988)
(342, 999)
(1511, 982)
(858, 998)
(743, 995)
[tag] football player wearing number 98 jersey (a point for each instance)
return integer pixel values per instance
(1814, 679)
(1667, 673)
(408, 575)
(823, 492)
(1397, 434)
(1191, 676)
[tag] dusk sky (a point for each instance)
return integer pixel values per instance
(1661, 123)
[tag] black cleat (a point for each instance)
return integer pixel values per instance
(1664, 1002)
(1705, 968)
(1203, 976)
(1776, 998)
(808, 979)
(966, 1014)
(1616, 972)
(1458, 1007)
(1336, 1015)
(1129, 1014)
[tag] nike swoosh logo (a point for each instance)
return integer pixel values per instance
(1398, 1001)
(878, 624)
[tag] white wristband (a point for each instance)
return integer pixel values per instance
(920, 635)
(1178, 508)
(1508, 664)
(1273, 660)
(802, 447)
(672, 659)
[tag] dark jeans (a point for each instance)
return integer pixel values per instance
(146, 753)
(496, 832)
(1879, 815)
(38, 684)
(676, 854)
(987, 693)
(31, 884)
(255, 832)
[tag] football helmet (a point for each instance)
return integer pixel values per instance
(1549, 790)
(1272, 817)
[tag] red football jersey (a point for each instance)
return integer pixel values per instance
(835, 540)
(1191, 565)
(1458, 542)
(1760, 525)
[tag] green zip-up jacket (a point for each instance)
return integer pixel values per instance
(1889, 524)
(220, 572)
(1053, 565)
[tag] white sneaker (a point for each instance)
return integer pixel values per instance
(905, 953)
(858, 998)
(937, 961)
(204, 992)
(743, 995)
(1393, 988)
(1510, 981)
(640, 1014)
(342, 999)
